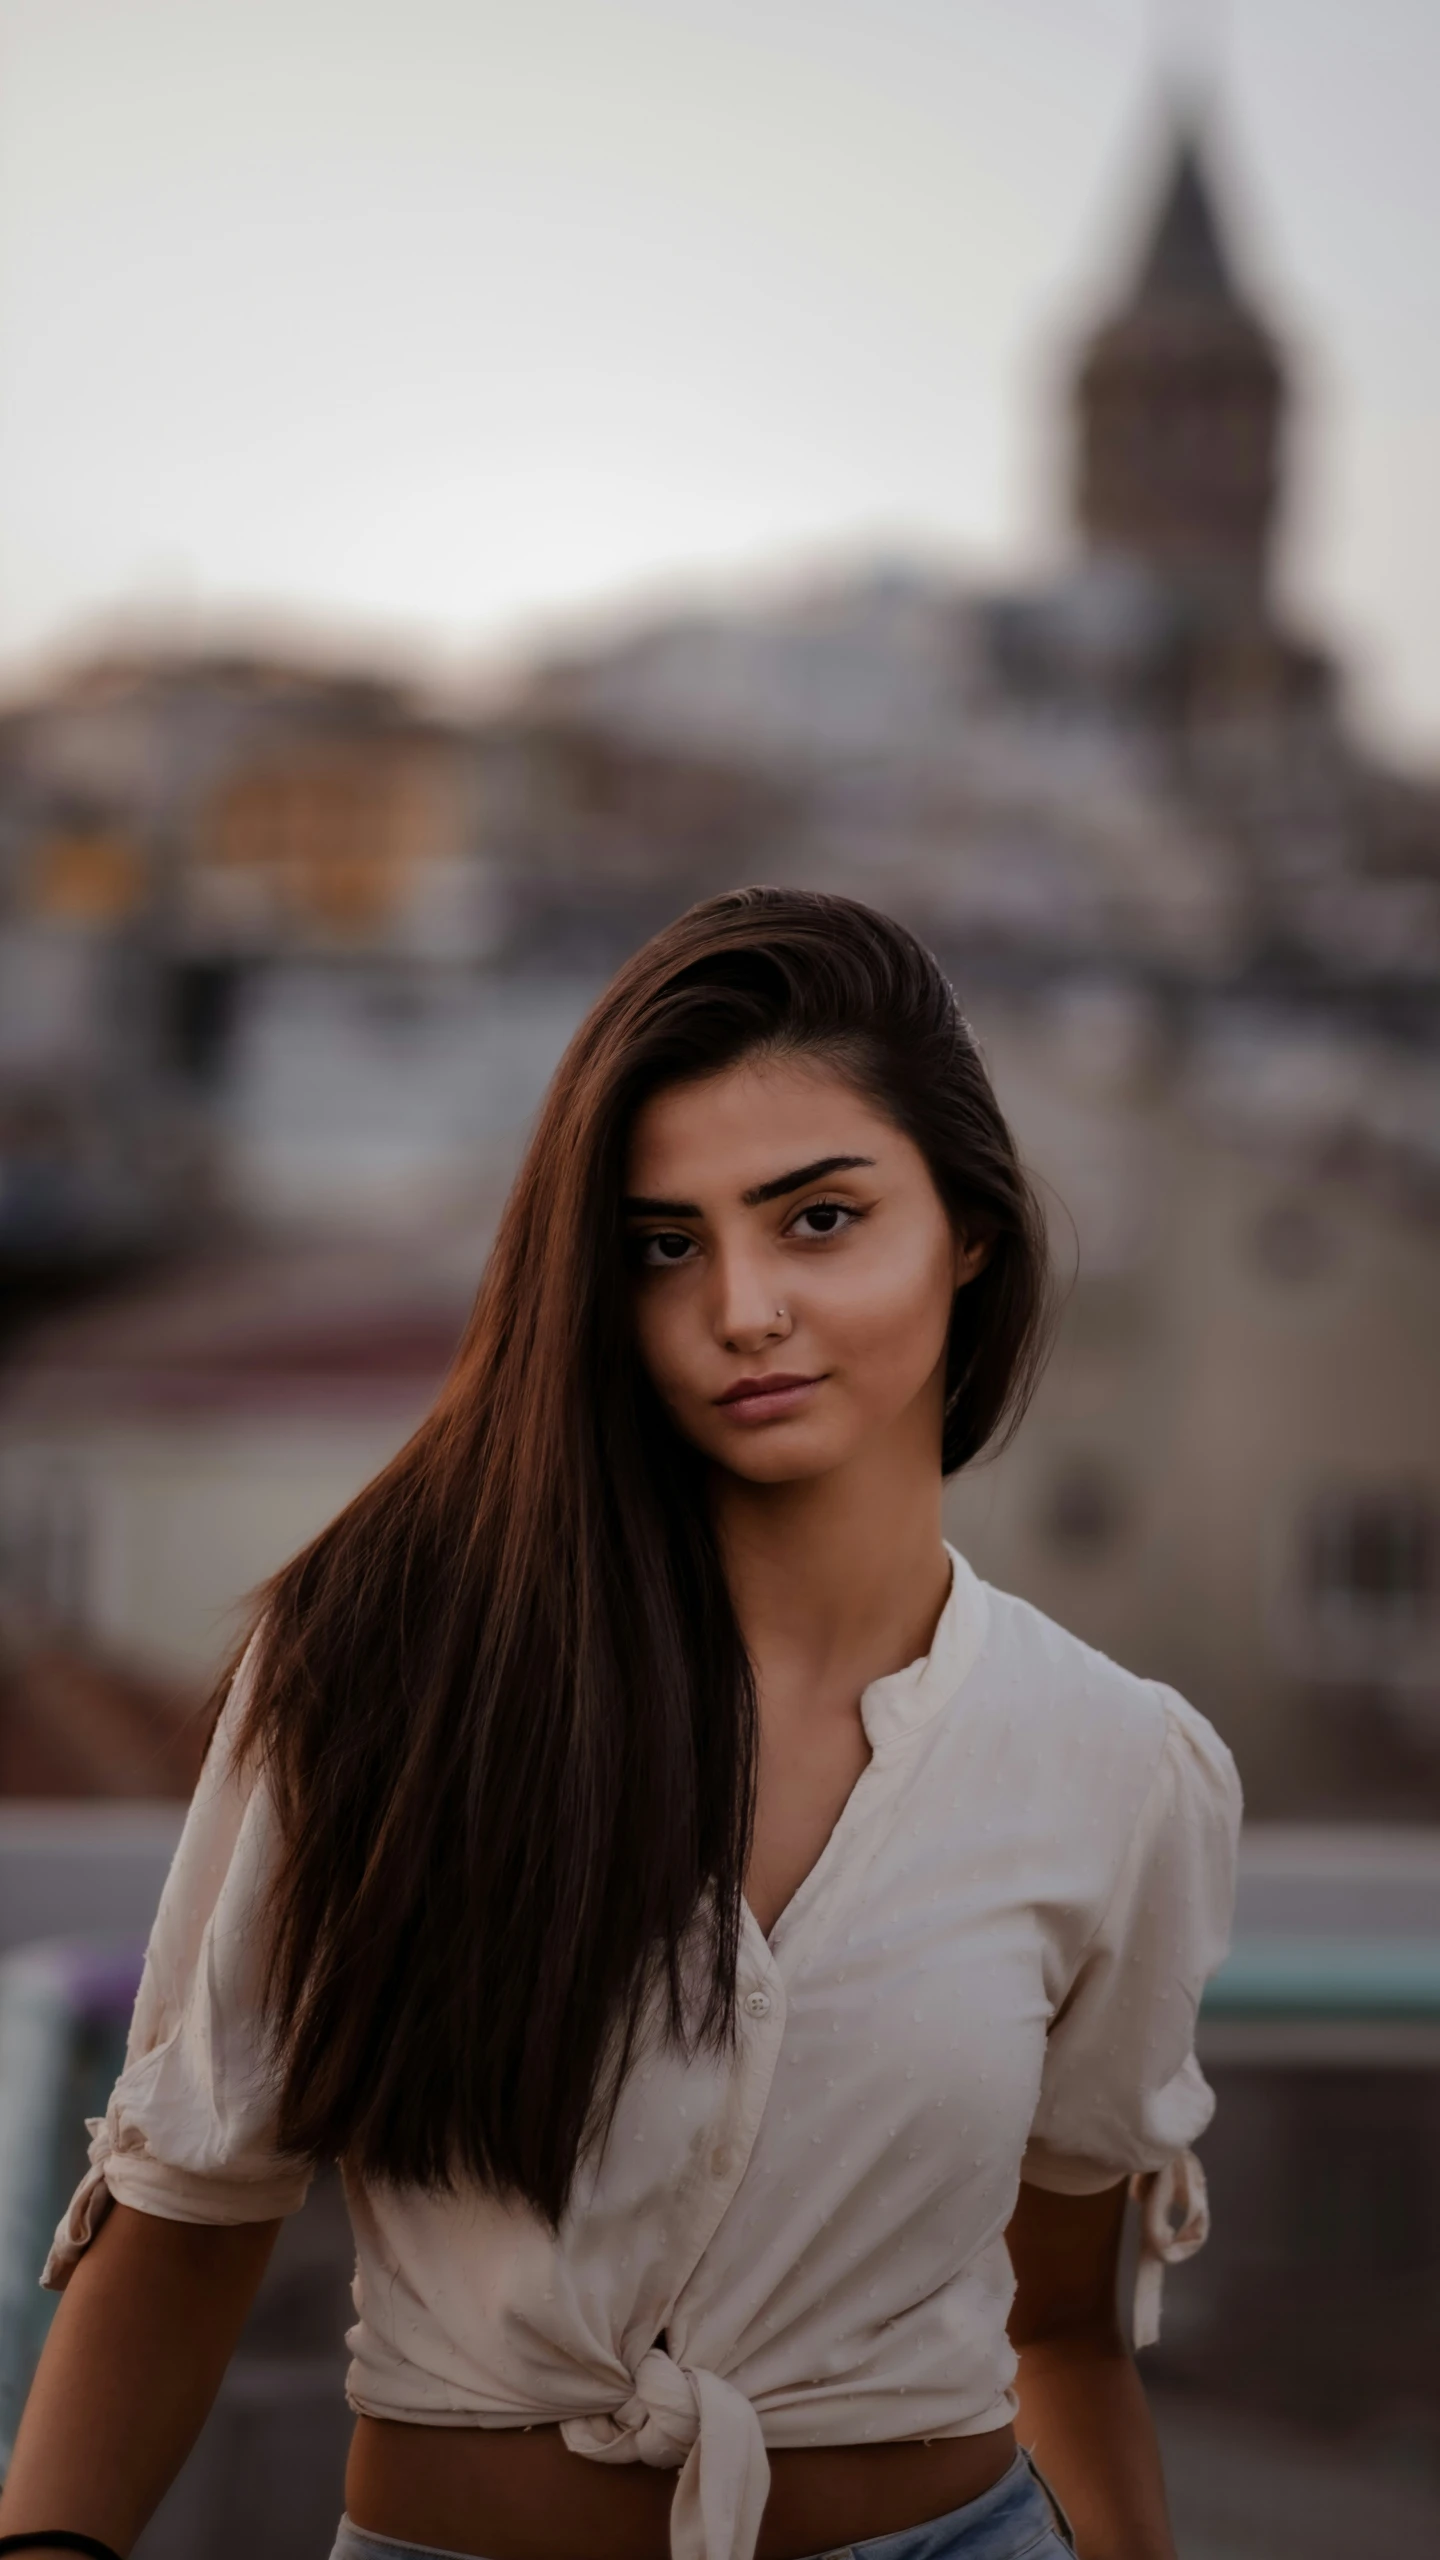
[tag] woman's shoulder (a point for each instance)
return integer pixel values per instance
(1092, 1716)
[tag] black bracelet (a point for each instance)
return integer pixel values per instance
(85, 2542)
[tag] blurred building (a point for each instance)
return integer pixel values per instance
(163, 1448)
(185, 841)
(1181, 399)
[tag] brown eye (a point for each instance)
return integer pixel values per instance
(824, 1218)
(662, 1253)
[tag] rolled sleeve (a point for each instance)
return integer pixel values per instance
(189, 2133)
(1121, 2092)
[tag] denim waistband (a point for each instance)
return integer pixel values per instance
(1019, 2515)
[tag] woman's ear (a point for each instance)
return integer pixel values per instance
(971, 1256)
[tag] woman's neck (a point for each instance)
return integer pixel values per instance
(836, 1579)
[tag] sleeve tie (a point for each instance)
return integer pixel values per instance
(1174, 2223)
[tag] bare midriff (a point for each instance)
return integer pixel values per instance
(521, 2494)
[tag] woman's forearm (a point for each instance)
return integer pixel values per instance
(135, 2356)
(1084, 2416)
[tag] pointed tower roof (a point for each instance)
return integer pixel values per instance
(1186, 256)
(1180, 396)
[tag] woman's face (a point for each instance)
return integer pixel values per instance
(793, 1270)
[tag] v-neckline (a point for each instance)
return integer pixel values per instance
(894, 1707)
(782, 1925)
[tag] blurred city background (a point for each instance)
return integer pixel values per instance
(474, 488)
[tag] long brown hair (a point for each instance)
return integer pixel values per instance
(503, 1700)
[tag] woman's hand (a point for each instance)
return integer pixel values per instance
(135, 2356)
(1083, 2412)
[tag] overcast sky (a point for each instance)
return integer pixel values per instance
(440, 320)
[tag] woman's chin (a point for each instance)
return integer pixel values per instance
(780, 1457)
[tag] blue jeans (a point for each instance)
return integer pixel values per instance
(1016, 2520)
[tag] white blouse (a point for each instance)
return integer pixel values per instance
(991, 1972)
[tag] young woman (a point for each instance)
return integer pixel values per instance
(738, 1958)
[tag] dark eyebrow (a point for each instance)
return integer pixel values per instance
(763, 1191)
(660, 1209)
(796, 1181)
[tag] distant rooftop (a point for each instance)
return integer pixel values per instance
(256, 1332)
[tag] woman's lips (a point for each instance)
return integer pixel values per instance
(765, 1399)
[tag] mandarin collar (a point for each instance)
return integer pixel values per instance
(902, 1701)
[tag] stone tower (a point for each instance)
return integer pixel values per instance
(1180, 400)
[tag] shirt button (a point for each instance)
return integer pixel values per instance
(757, 2004)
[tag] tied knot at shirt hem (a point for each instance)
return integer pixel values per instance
(682, 2417)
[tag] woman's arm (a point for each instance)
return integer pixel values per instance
(1083, 2412)
(135, 2356)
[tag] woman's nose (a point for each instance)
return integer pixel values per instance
(747, 1314)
